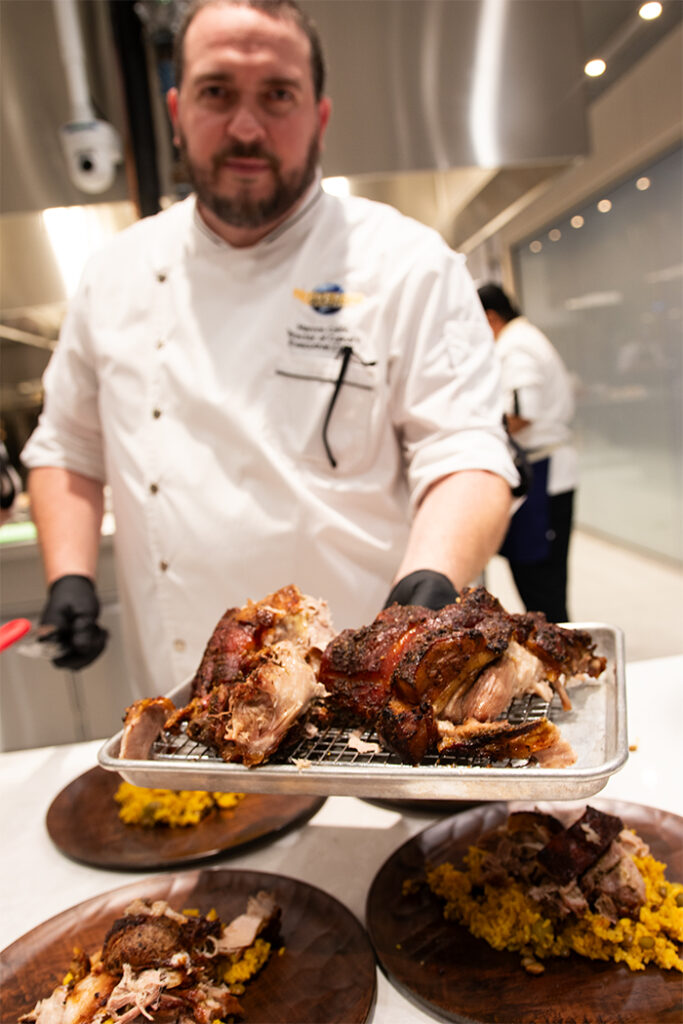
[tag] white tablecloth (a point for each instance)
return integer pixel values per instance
(339, 850)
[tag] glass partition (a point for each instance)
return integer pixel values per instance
(605, 283)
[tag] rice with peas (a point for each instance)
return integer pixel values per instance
(177, 808)
(508, 919)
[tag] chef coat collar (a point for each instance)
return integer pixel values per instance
(311, 198)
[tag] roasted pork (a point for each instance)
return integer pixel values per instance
(425, 681)
(568, 870)
(158, 965)
(256, 678)
(501, 741)
(263, 707)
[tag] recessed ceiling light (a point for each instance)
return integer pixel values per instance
(536, 246)
(643, 184)
(650, 10)
(604, 206)
(555, 235)
(576, 221)
(595, 68)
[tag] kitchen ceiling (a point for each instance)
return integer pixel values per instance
(403, 78)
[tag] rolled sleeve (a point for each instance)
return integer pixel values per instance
(450, 406)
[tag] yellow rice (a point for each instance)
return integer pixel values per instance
(177, 808)
(239, 969)
(507, 918)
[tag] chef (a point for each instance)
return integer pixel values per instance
(278, 385)
(539, 410)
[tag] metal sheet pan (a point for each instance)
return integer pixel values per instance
(328, 765)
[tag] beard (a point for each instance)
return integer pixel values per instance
(242, 210)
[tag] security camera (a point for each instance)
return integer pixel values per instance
(93, 151)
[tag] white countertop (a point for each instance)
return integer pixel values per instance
(339, 850)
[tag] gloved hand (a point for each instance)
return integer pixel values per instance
(424, 587)
(72, 606)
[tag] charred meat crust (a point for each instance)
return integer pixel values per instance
(241, 631)
(568, 870)
(575, 849)
(407, 729)
(406, 674)
(500, 740)
(414, 657)
(143, 940)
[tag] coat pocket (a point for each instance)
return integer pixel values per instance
(330, 408)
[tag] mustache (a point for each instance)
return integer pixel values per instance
(243, 150)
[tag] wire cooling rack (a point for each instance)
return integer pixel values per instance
(336, 761)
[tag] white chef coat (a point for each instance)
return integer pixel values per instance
(537, 387)
(195, 377)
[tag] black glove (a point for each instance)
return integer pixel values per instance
(72, 607)
(424, 587)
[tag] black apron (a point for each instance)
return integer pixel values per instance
(528, 538)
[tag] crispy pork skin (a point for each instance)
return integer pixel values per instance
(573, 851)
(409, 730)
(512, 849)
(286, 614)
(357, 666)
(398, 674)
(206, 716)
(442, 664)
(564, 652)
(141, 941)
(502, 741)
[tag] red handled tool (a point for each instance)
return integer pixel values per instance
(36, 641)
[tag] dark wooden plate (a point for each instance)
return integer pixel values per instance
(442, 967)
(326, 973)
(83, 822)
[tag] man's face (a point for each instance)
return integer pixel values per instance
(245, 117)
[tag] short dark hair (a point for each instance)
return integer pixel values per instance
(274, 9)
(493, 297)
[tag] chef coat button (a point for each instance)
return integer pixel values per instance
(153, 488)
(163, 566)
(156, 413)
(179, 645)
(160, 343)
(161, 277)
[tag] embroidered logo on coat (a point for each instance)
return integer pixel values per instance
(328, 298)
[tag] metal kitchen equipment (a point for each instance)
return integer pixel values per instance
(329, 764)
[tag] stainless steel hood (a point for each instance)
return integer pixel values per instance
(435, 84)
(447, 95)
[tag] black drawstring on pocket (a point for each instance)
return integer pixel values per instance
(345, 352)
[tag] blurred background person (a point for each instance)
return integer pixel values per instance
(539, 410)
